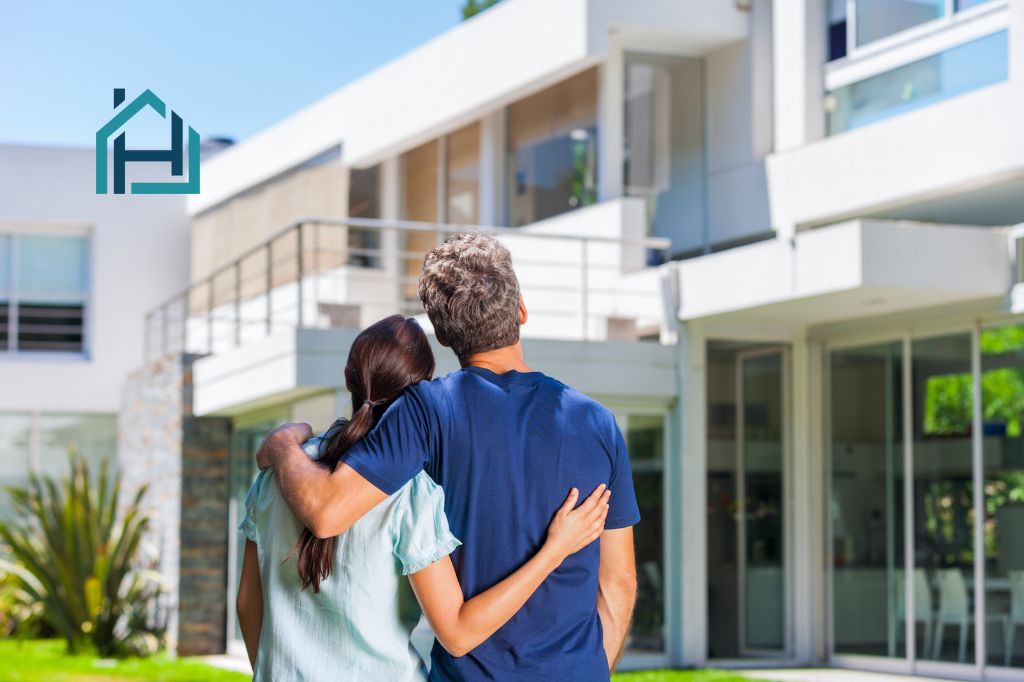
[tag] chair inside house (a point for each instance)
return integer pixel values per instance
(955, 609)
(1016, 619)
(924, 612)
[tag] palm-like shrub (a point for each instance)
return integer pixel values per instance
(77, 553)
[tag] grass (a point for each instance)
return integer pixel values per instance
(47, 661)
(680, 676)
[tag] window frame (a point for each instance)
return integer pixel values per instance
(12, 295)
(933, 37)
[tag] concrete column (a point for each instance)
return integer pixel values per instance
(806, 582)
(492, 168)
(391, 209)
(610, 121)
(798, 55)
(691, 376)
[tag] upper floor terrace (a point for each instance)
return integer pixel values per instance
(321, 273)
(897, 110)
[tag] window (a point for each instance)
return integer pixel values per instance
(1002, 390)
(44, 283)
(420, 203)
(954, 72)
(462, 176)
(41, 443)
(836, 29)
(874, 20)
(663, 152)
(645, 442)
(1019, 261)
(880, 18)
(887, 583)
(552, 150)
(364, 202)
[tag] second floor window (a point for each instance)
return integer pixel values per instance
(552, 150)
(44, 284)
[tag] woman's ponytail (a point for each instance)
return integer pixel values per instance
(385, 359)
(315, 555)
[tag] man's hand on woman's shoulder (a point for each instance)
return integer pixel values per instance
(278, 441)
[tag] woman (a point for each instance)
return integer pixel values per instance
(316, 609)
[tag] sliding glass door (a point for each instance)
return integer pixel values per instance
(927, 500)
(869, 606)
(761, 447)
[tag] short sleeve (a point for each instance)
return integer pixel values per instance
(248, 524)
(622, 507)
(419, 526)
(397, 448)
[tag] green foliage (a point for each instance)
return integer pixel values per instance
(947, 404)
(19, 615)
(48, 661)
(77, 555)
(473, 7)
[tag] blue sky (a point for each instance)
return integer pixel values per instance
(227, 67)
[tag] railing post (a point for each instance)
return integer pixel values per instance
(147, 334)
(298, 276)
(238, 303)
(163, 329)
(270, 283)
(185, 310)
(584, 289)
(209, 316)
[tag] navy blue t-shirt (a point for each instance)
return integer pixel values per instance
(507, 448)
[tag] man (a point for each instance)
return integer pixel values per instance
(505, 443)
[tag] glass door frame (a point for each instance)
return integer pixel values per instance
(910, 663)
(785, 369)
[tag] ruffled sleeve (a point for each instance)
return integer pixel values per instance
(419, 525)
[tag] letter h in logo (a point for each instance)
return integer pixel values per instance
(175, 155)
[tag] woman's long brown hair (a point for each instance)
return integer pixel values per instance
(385, 359)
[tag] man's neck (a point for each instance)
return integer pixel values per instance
(500, 360)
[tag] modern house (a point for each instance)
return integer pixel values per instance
(776, 238)
(69, 325)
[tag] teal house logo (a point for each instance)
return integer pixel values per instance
(175, 156)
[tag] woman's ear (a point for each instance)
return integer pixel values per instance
(523, 315)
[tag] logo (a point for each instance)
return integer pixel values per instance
(174, 156)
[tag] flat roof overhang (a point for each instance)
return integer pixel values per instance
(294, 363)
(479, 66)
(852, 270)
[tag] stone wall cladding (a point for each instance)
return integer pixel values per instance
(184, 459)
(149, 452)
(204, 536)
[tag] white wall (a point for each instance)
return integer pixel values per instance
(139, 256)
(738, 110)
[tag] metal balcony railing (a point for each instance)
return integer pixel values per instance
(321, 273)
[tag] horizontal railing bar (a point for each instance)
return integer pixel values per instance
(654, 243)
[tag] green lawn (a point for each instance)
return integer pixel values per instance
(680, 676)
(46, 661)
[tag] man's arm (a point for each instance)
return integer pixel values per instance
(326, 502)
(617, 590)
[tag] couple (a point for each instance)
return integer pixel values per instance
(459, 483)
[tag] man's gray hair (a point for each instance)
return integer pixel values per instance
(471, 294)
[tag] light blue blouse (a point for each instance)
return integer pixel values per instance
(351, 630)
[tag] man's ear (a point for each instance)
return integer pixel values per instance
(523, 315)
(440, 338)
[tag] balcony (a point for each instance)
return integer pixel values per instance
(582, 281)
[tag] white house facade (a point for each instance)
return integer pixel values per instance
(776, 237)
